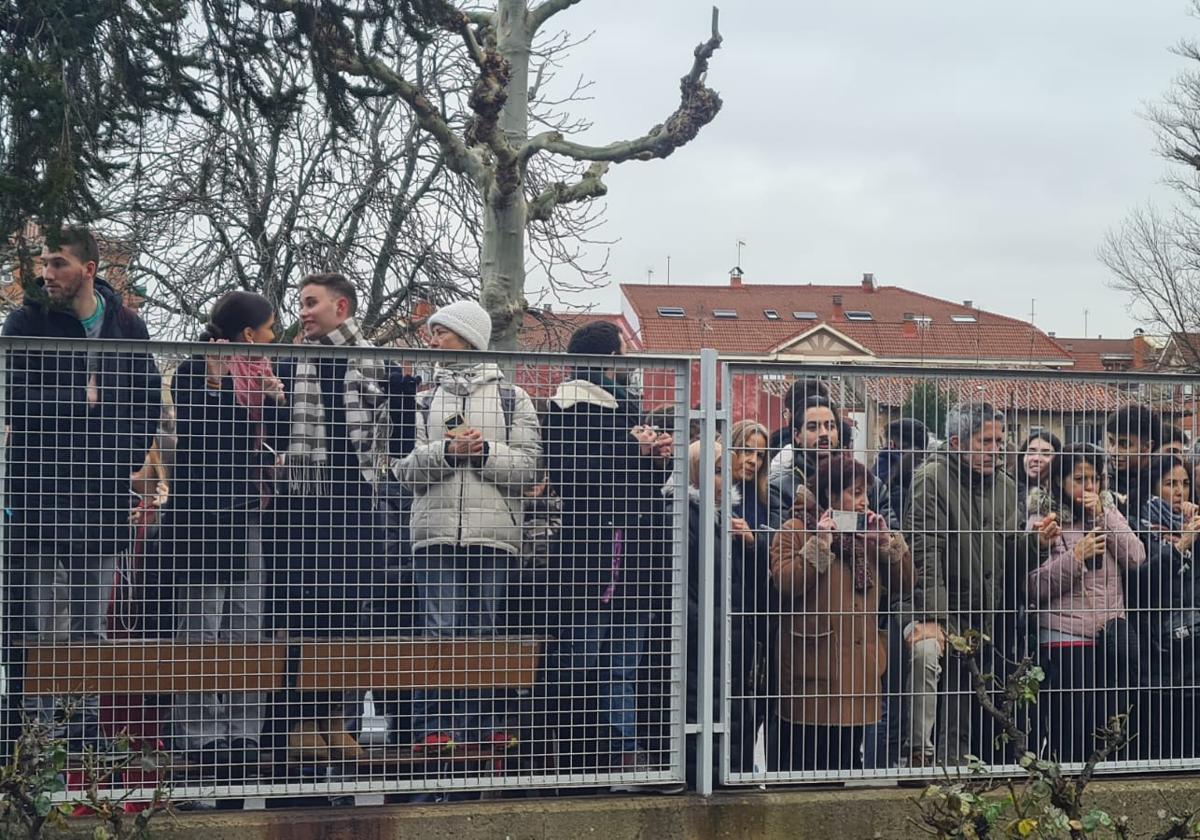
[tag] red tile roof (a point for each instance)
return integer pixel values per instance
(888, 335)
(1039, 395)
(1090, 353)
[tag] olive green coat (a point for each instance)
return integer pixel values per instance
(969, 545)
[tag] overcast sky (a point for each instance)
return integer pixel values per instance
(966, 150)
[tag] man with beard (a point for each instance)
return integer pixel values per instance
(816, 435)
(81, 422)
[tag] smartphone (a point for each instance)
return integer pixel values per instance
(456, 424)
(1094, 563)
(849, 521)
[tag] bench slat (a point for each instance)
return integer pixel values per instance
(154, 667)
(405, 664)
(167, 667)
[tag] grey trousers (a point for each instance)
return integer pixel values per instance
(945, 719)
(64, 604)
(225, 606)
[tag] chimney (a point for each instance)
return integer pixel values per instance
(868, 282)
(1051, 334)
(735, 277)
(839, 314)
(909, 328)
(970, 304)
(1141, 351)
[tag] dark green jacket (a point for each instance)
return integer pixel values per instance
(969, 547)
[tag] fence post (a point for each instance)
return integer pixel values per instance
(707, 550)
(5, 515)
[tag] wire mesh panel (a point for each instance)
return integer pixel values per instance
(929, 568)
(249, 570)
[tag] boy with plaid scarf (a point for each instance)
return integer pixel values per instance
(327, 541)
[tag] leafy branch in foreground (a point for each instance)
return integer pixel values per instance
(1043, 804)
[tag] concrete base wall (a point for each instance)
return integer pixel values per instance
(849, 814)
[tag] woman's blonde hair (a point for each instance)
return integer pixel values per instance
(739, 437)
(694, 460)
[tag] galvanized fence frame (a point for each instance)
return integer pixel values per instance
(672, 385)
(1141, 388)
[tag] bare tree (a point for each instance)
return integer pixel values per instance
(269, 190)
(352, 46)
(1154, 255)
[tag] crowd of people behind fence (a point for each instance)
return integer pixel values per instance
(334, 494)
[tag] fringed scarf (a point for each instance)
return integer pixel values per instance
(365, 405)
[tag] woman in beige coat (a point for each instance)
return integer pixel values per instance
(831, 576)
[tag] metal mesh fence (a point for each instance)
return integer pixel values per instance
(332, 571)
(321, 570)
(902, 548)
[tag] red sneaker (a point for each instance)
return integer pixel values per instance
(435, 742)
(503, 741)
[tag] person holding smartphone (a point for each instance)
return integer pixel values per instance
(475, 453)
(832, 572)
(1078, 601)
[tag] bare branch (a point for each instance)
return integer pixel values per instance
(698, 106)
(591, 185)
(458, 157)
(547, 10)
(479, 17)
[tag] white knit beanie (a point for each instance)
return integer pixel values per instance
(467, 319)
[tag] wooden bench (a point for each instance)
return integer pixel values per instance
(141, 667)
(302, 664)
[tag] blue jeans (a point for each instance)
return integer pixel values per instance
(459, 591)
(603, 650)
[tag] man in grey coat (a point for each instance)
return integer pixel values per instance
(476, 451)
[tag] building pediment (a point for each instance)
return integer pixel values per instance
(824, 342)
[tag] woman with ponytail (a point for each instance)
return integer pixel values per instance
(228, 406)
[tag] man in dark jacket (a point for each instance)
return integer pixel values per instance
(609, 470)
(1131, 435)
(907, 440)
(327, 546)
(817, 434)
(81, 422)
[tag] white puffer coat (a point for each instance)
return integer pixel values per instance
(476, 504)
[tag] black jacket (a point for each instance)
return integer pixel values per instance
(69, 460)
(222, 461)
(1165, 591)
(609, 493)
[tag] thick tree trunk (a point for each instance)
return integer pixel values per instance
(505, 211)
(503, 267)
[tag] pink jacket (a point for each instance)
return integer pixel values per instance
(1071, 599)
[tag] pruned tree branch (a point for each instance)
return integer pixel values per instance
(590, 185)
(547, 10)
(698, 106)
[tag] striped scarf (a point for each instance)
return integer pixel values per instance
(365, 405)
